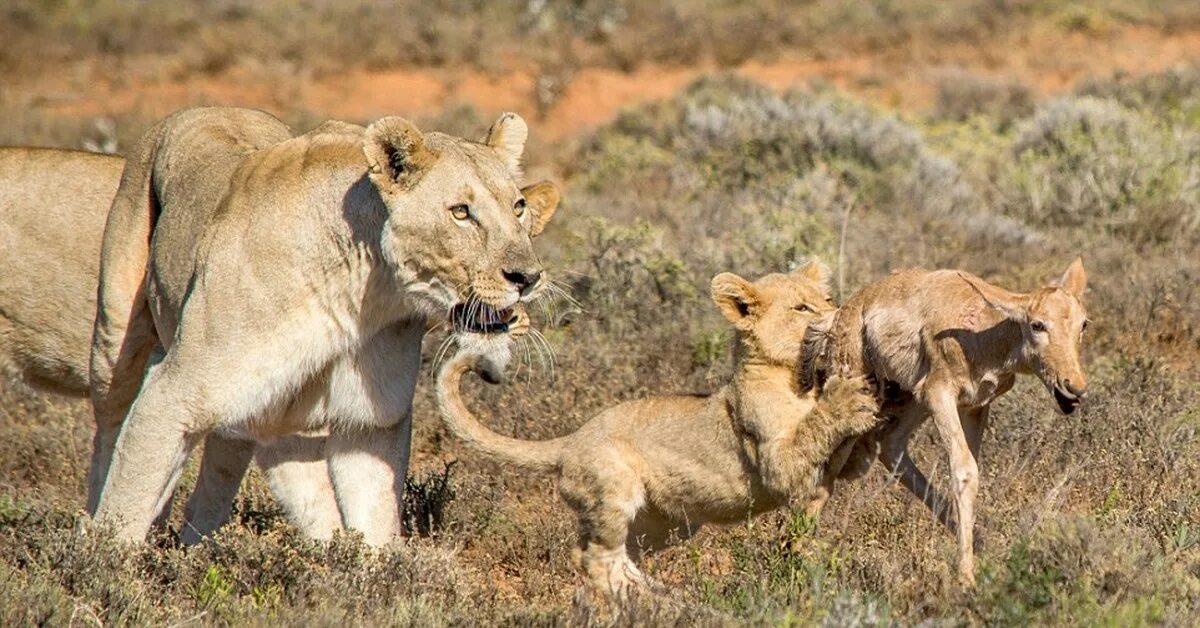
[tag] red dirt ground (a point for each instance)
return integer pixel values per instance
(905, 77)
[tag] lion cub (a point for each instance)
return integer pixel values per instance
(642, 470)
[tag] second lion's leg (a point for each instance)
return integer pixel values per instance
(221, 470)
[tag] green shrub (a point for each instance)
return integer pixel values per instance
(1093, 164)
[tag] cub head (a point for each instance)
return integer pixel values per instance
(458, 227)
(772, 313)
(1052, 320)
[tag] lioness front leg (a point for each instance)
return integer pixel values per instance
(368, 466)
(299, 479)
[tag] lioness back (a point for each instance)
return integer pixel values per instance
(53, 204)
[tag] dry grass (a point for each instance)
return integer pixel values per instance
(1088, 519)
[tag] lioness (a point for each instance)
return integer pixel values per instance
(53, 205)
(642, 470)
(275, 286)
(52, 209)
(946, 344)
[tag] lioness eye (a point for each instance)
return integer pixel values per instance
(803, 307)
(1085, 326)
(519, 207)
(1037, 326)
(460, 212)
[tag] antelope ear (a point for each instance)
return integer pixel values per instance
(507, 136)
(1074, 280)
(396, 154)
(1012, 305)
(737, 299)
(815, 271)
(542, 199)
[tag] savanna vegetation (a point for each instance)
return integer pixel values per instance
(1088, 519)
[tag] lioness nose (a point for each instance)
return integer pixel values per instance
(1079, 391)
(524, 280)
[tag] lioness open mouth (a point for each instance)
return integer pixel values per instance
(481, 318)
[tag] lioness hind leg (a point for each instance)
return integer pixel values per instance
(150, 453)
(368, 468)
(221, 471)
(123, 335)
(299, 479)
(114, 389)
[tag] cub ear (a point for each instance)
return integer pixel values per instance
(737, 299)
(507, 136)
(542, 199)
(1074, 280)
(396, 154)
(815, 271)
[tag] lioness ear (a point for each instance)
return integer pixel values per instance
(396, 153)
(815, 271)
(737, 299)
(1012, 305)
(542, 199)
(1074, 280)
(507, 136)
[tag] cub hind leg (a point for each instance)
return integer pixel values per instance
(606, 500)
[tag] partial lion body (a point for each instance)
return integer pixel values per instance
(53, 205)
(271, 287)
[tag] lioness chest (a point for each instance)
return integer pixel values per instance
(371, 386)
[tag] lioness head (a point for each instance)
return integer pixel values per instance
(458, 228)
(1052, 320)
(772, 314)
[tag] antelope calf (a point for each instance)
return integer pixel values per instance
(946, 344)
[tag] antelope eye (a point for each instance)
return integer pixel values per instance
(803, 307)
(460, 212)
(1037, 326)
(519, 207)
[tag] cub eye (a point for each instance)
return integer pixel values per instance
(803, 307)
(460, 212)
(1037, 326)
(519, 207)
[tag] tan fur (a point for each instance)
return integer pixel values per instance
(270, 287)
(644, 470)
(53, 204)
(946, 344)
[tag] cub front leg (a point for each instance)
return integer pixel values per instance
(368, 467)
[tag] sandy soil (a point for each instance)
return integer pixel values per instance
(1049, 62)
